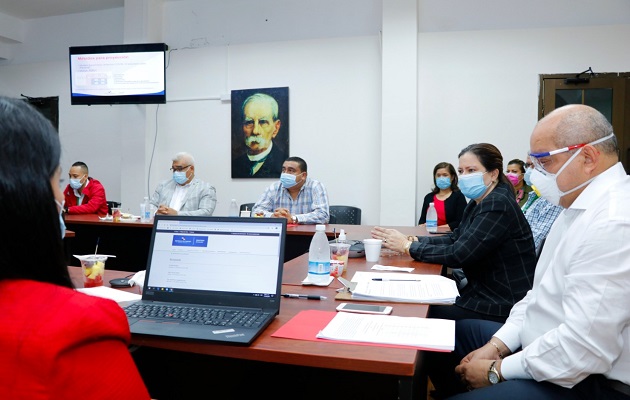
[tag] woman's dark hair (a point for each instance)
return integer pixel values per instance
(451, 170)
(31, 246)
(521, 163)
(490, 157)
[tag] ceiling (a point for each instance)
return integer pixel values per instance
(435, 15)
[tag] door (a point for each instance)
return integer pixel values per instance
(609, 93)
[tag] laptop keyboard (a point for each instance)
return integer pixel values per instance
(198, 315)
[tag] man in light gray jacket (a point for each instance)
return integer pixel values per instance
(184, 194)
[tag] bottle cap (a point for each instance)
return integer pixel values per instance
(320, 227)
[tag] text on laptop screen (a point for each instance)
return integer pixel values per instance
(220, 256)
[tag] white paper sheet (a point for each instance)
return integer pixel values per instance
(429, 333)
(109, 293)
(417, 288)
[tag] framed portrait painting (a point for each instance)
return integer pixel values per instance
(260, 132)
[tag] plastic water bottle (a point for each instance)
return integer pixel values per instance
(145, 210)
(233, 209)
(431, 218)
(319, 257)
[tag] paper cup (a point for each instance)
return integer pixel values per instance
(372, 249)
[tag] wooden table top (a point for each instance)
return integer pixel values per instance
(353, 232)
(320, 354)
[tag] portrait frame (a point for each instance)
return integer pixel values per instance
(280, 142)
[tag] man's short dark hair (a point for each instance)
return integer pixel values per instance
(301, 162)
(83, 166)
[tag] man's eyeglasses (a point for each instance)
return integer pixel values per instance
(179, 169)
(540, 159)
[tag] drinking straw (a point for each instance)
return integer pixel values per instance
(96, 249)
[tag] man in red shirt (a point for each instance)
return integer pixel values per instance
(84, 195)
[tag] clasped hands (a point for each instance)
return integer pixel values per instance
(164, 210)
(283, 213)
(473, 369)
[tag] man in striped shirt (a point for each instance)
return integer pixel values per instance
(296, 197)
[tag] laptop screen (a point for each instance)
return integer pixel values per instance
(216, 260)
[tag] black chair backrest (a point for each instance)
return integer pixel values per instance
(111, 204)
(249, 206)
(347, 215)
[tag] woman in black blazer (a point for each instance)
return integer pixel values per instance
(448, 200)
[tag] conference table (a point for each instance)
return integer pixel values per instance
(399, 364)
(129, 239)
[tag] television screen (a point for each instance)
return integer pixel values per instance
(118, 74)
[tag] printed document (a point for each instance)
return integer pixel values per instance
(427, 333)
(414, 288)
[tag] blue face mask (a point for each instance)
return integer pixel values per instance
(443, 182)
(180, 177)
(61, 223)
(472, 185)
(75, 183)
(528, 176)
(287, 180)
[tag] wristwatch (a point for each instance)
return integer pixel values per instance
(294, 219)
(493, 374)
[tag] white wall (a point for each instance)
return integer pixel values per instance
(334, 107)
(482, 86)
(472, 87)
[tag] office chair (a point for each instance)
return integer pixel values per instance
(345, 215)
(111, 204)
(248, 205)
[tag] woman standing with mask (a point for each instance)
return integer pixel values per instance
(493, 244)
(516, 174)
(448, 200)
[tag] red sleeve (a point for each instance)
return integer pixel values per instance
(97, 370)
(69, 197)
(94, 200)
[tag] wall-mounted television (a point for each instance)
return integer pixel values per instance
(118, 74)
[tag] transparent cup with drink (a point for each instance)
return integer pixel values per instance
(93, 269)
(338, 258)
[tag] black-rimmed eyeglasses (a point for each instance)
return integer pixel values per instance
(179, 169)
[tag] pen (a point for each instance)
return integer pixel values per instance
(396, 280)
(303, 296)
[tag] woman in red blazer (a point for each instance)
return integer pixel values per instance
(56, 343)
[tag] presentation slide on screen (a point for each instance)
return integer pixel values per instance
(117, 74)
(222, 262)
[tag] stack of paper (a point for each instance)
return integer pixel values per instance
(414, 288)
(425, 333)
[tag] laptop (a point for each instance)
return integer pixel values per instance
(211, 278)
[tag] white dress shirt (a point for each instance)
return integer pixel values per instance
(178, 197)
(575, 320)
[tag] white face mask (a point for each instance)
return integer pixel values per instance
(547, 184)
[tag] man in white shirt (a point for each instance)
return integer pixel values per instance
(569, 338)
(184, 194)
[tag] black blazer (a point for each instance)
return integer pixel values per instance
(271, 168)
(453, 206)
